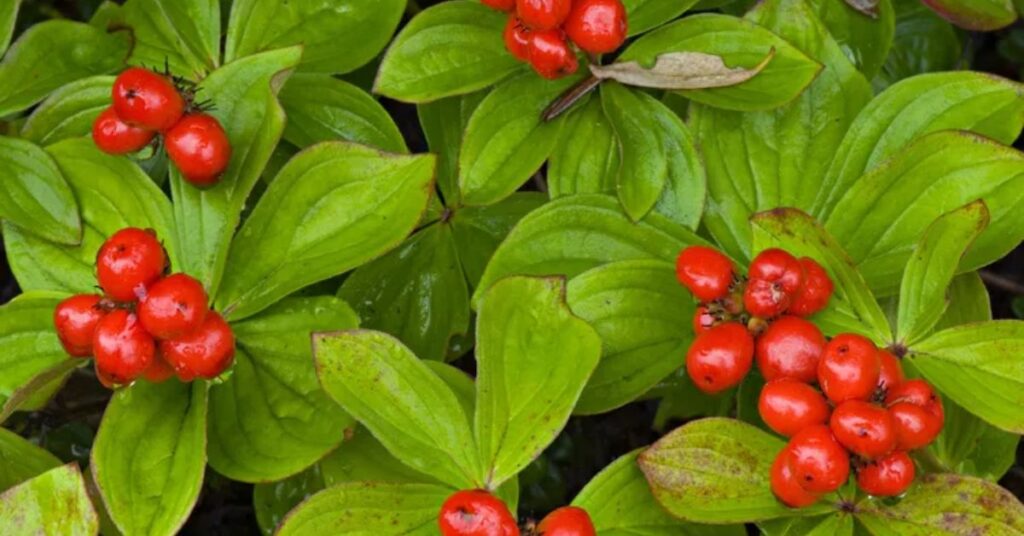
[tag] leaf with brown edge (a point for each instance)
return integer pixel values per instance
(681, 70)
(867, 7)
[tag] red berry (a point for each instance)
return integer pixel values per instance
(147, 99)
(890, 373)
(475, 513)
(719, 358)
(122, 348)
(888, 476)
(75, 319)
(543, 14)
(199, 148)
(849, 368)
(204, 353)
(788, 406)
(916, 392)
(597, 26)
(705, 271)
(917, 412)
(159, 371)
(567, 521)
(774, 278)
(791, 347)
(174, 306)
(114, 136)
(703, 320)
(864, 429)
(517, 39)
(500, 5)
(550, 55)
(784, 483)
(128, 263)
(819, 462)
(814, 293)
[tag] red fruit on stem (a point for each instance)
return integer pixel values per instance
(914, 426)
(791, 347)
(199, 148)
(820, 463)
(122, 348)
(719, 358)
(774, 278)
(916, 392)
(543, 14)
(849, 368)
(703, 320)
(785, 486)
(567, 521)
(147, 99)
(159, 371)
(204, 353)
(864, 429)
(597, 26)
(173, 307)
(517, 39)
(500, 5)
(890, 373)
(706, 272)
(788, 406)
(128, 263)
(475, 513)
(114, 136)
(814, 293)
(888, 476)
(550, 55)
(75, 319)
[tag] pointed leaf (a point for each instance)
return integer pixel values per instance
(865, 40)
(54, 502)
(478, 231)
(680, 70)
(8, 15)
(642, 15)
(444, 122)
(585, 160)
(29, 341)
(21, 460)
(68, 112)
(183, 34)
(977, 15)
(923, 43)
(369, 508)
(34, 195)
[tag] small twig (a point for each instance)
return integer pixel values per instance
(1002, 283)
(570, 97)
(538, 180)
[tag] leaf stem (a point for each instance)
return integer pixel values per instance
(1002, 283)
(570, 97)
(930, 462)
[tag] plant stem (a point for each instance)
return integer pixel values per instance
(1003, 283)
(570, 97)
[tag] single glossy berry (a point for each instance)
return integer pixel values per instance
(173, 307)
(814, 292)
(774, 278)
(888, 476)
(517, 39)
(890, 372)
(705, 272)
(476, 513)
(864, 429)
(784, 483)
(75, 319)
(720, 357)
(849, 368)
(114, 136)
(788, 406)
(204, 353)
(199, 148)
(913, 425)
(819, 462)
(122, 348)
(597, 26)
(916, 392)
(567, 521)
(550, 54)
(500, 5)
(790, 347)
(703, 319)
(543, 14)
(159, 371)
(128, 263)
(147, 99)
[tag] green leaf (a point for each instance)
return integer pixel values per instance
(866, 41)
(740, 43)
(882, 215)
(29, 341)
(182, 34)
(150, 454)
(638, 309)
(69, 112)
(840, 524)
(931, 269)
(977, 15)
(244, 94)
(946, 505)
(533, 359)
(333, 207)
(923, 43)
(981, 367)
(51, 54)
(657, 154)
(478, 231)
(982, 103)
(273, 500)
(852, 306)
(585, 159)
(397, 397)
(34, 195)
(336, 37)
(36, 392)
(369, 508)
(968, 300)
(506, 141)
(324, 108)
(444, 122)
(571, 235)
(361, 458)
(270, 419)
(8, 16)
(643, 15)
(447, 49)
(21, 460)
(54, 502)
(417, 292)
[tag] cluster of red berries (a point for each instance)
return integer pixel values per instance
(540, 31)
(478, 513)
(863, 404)
(146, 324)
(146, 103)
